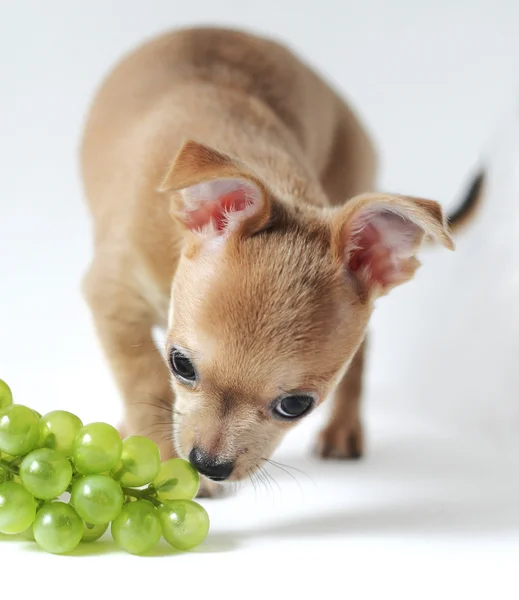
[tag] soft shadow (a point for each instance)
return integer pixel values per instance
(13, 538)
(94, 548)
(216, 543)
(444, 491)
(213, 544)
(84, 549)
(412, 519)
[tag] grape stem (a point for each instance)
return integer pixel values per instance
(146, 494)
(13, 470)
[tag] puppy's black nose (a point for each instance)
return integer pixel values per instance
(209, 465)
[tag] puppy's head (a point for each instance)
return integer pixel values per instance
(270, 301)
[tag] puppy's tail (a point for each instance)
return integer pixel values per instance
(470, 203)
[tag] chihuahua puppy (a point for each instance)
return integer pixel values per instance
(234, 204)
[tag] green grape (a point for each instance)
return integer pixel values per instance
(185, 523)
(58, 430)
(19, 430)
(28, 534)
(92, 533)
(97, 448)
(45, 473)
(177, 480)
(17, 508)
(6, 396)
(140, 462)
(98, 499)
(137, 528)
(36, 413)
(57, 528)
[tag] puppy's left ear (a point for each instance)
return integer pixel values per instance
(213, 195)
(377, 236)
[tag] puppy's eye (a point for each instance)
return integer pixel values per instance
(292, 407)
(181, 366)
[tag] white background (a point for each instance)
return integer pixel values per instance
(434, 507)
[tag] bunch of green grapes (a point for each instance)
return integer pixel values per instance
(110, 482)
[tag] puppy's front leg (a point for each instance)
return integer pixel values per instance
(124, 327)
(343, 436)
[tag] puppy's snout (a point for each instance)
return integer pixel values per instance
(209, 465)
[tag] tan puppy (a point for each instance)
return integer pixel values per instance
(234, 204)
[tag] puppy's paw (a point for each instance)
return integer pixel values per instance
(340, 440)
(211, 489)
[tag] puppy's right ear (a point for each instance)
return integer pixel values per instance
(377, 236)
(213, 195)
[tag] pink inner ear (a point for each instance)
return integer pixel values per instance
(371, 257)
(382, 249)
(216, 205)
(217, 212)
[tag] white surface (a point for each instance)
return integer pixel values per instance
(433, 511)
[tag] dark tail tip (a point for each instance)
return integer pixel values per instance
(471, 202)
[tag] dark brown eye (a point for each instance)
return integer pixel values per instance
(293, 407)
(182, 367)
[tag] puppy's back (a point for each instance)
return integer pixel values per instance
(144, 104)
